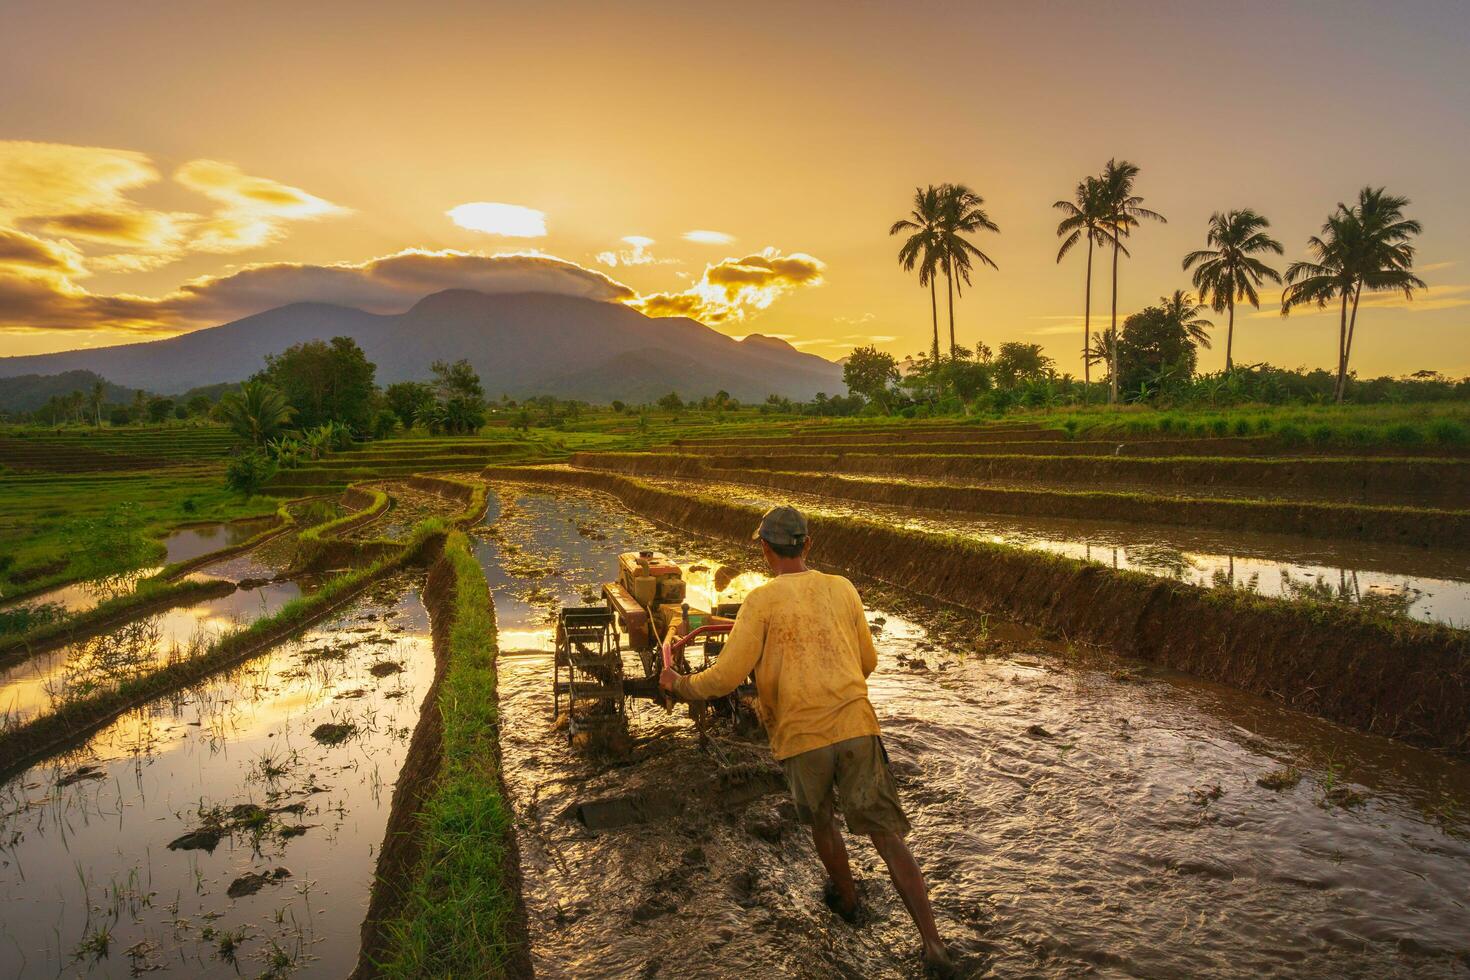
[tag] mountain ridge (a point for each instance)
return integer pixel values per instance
(520, 343)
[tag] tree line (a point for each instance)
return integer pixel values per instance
(1363, 246)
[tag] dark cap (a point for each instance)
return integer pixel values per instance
(782, 526)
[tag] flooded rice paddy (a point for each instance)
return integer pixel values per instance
(180, 545)
(102, 662)
(231, 829)
(1432, 585)
(1074, 814)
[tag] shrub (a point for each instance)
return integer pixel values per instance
(1263, 424)
(1166, 423)
(1320, 435)
(1242, 427)
(1071, 426)
(384, 423)
(249, 471)
(1290, 435)
(1404, 434)
(188, 506)
(1448, 433)
(1220, 426)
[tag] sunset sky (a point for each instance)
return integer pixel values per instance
(169, 166)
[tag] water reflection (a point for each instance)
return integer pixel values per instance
(103, 662)
(156, 846)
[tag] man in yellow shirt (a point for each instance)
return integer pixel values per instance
(806, 638)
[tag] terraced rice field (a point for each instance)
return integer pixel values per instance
(358, 768)
(1389, 530)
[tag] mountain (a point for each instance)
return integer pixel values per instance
(520, 343)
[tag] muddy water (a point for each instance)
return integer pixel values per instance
(1426, 584)
(1074, 814)
(84, 840)
(102, 662)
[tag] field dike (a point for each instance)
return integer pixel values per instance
(1419, 526)
(1447, 480)
(26, 744)
(1397, 678)
(446, 898)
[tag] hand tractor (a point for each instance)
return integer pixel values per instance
(647, 604)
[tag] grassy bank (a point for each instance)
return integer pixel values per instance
(455, 899)
(1389, 676)
(59, 528)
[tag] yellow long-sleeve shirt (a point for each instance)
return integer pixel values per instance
(805, 636)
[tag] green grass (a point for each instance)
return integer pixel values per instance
(76, 526)
(459, 914)
(1425, 426)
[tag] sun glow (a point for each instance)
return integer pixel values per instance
(510, 220)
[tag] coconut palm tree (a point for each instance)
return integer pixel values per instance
(1123, 211)
(1085, 215)
(1386, 260)
(97, 396)
(962, 213)
(256, 412)
(1227, 269)
(1182, 309)
(924, 248)
(1363, 246)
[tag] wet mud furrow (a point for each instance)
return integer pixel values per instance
(1075, 812)
(230, 828)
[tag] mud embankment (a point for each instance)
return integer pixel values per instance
(401, 849)
(447, 895)
(1421, 527)
(1422, 481)
(1229, 447)
(1396, 678)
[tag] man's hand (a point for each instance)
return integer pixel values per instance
(666, 680)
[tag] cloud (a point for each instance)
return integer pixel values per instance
(706, 237)
(1435, 266)
(79, 195)
(638, 254)
(733, 289)
(509, 220)
(21, 254)
(387, 284)
(252, 210)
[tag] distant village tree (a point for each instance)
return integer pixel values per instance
(325, 382)
(410, 401)
(459, 397)
(871, 373)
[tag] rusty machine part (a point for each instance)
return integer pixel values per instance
(588, 669)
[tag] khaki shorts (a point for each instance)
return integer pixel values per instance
(858, 769)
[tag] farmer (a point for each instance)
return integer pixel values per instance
(804, 635)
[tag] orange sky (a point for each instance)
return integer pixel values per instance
(148, 146)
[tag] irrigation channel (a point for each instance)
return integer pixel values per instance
(1432, 585)
(231, 828)
(1074, 813)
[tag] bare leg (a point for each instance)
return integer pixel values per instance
(909, 881)
(833, 852)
